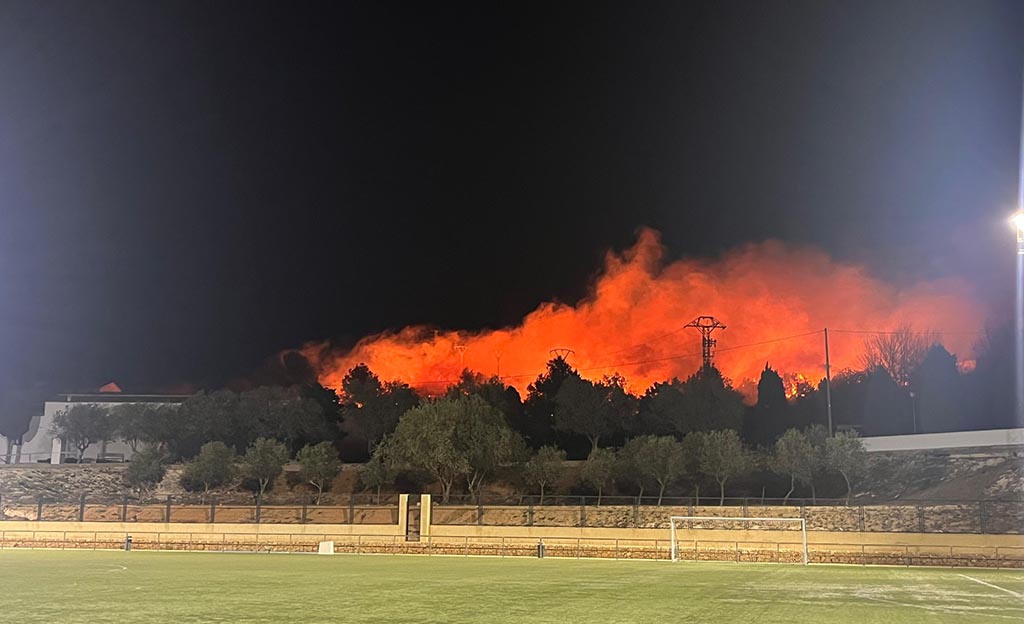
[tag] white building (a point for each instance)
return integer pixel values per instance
(39, 445)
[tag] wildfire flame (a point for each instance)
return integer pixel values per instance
(775, 299)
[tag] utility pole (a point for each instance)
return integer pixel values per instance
(497, 355)
(828, 385)
(913, 408)
(705, 325)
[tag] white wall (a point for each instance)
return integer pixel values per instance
(38, 442)
(955, 439)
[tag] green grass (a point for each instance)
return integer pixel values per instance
(54, 586)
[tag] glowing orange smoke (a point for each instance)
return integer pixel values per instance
(631, 322)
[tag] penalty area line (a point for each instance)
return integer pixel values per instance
(1002, 589)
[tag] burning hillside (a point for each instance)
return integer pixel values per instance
(774, 298)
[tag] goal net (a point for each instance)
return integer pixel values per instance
(739, 539)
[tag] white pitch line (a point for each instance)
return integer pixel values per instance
(1002, 589)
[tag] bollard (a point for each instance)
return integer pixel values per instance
(127, 542)
(540, 549)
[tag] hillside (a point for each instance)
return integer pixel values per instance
(964, 475)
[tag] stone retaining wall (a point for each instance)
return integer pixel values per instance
(988, 517)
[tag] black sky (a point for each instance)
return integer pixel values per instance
(187, 188)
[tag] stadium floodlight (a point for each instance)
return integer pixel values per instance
(1017, 221)
(717, 521)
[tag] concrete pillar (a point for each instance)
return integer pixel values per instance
(56, 446)
(425, 510)
(403, 514)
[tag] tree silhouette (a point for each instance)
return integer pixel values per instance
(371, 408)
(887, 407)
(938, 393)
(770, 416)
(537, 426)
(898, 352)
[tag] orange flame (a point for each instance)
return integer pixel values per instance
(632, 321)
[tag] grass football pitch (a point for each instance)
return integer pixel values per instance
(54, 586)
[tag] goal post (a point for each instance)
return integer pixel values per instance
(744, 524)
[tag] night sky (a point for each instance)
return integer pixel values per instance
(188, 188)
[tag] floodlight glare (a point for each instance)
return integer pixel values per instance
(1017, 220)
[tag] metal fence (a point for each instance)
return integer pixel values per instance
(933, 516)
(353, 510)
(591, 500)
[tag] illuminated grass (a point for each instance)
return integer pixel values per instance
(52, 586)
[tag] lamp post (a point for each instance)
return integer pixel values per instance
(1018, 222)
(913, 409)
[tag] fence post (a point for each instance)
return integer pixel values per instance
(213, 510)
(352, 510)
(167, 510)
(259, 504)
(862, 516)
(305, 511)
(124, 509)
(529, 513)
(920, 518)
(81, 507)
(982, 520)
(636, 512)
(745, 511)
(39, 510)
(583, 511)
(479, 511)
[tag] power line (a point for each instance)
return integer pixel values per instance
(915, 333)
(685, 356)
(640, 362)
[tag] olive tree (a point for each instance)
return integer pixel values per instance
(147, 469)
(212, 466)
(599, 470)
(82, 425)
(793, 456)
(545, 467)
(845, 454)
(655, 459)
(379, 470)
(722, 457)
(263, 462)
(452, 438)
(318, 466)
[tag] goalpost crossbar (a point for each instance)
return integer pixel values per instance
(674, 519)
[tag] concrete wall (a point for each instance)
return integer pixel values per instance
(951, 440)
(767, 546)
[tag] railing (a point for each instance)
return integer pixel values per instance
(66, 457)
(591, 500)
(354, 510)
